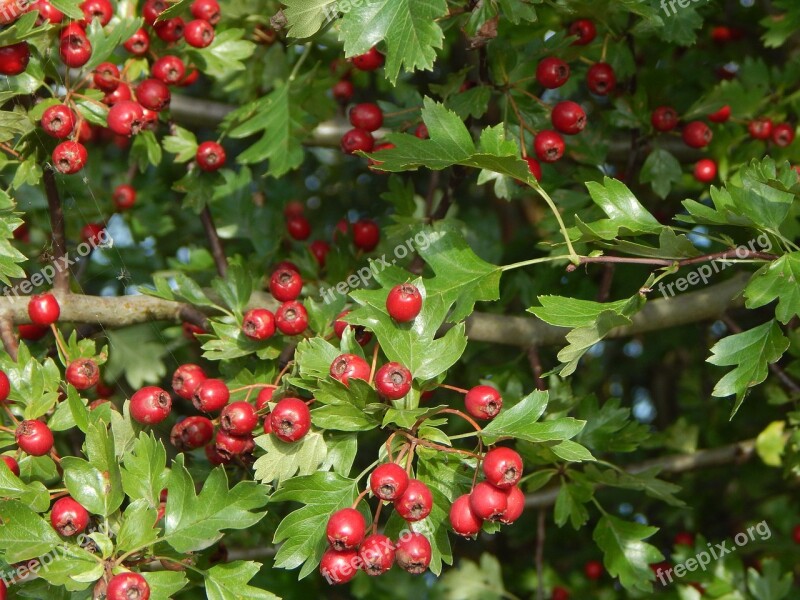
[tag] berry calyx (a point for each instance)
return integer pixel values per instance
(488, 502)
(377, 554)
(568, 117)
(338, 567)
(169, 69)
(549, 146)
(515, 500)
(34, 437)
(367, 116)
(404, 302)
(198, 33)
(290, 419)
(413, 553)
(82, 373)
(43, 310)
(601, 79)
(502, 467)
(14, 59)
(126, 118)
(349, 366)
(346, 529)
(483, 402)
(393, 381)
(258, 324)
(58, 121)
(369, 61)
(192, 432)
(697, 134)
(462, 519)
(593, 569)
(705, 171)
(416, 502)
(585, 30)
(150, 405)
(238, 418)
(357, 140)
(552, 72)
(285, 284)
(366, 234)
(186, 379)
(664, 118)
(69, 157)
(210, 156)
(68, 517)
(291, 318)
(153, 94)
(389, 481)
(211, 395)
(124, 196)
(127, 586)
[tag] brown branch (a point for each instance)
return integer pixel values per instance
(536, 367)
(213, 240)
(61, 282)
(8, 336)
(665, 262)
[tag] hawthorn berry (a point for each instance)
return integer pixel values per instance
(593, 569)
(721, 116)
(5, 386)
(462, 519)
(783, 134)
(377, 554)
(127, 586)
(346, 529)
(192, 432)
(487, 501)
(683, 538)
(796, 534)
(298, 227)
(32, 332)
(285, 284)
(357, 139)
(413, 553)
(48, 12)
(198, 33)
(568, 117)
(422, 131)
(534, 167)
(74, 48)
(601, 79)
(139, 43)
(211, 395)
(214, 457)
(11, 463)
(43, 310)
(117, 95)
(705, 171)
(559, 593)
(69, 157)
(190, 78)
(664, 118)
(258, 324)
(697, 134)
(264, 397)
(153, 94)
(349, 366)
(319, 249)
(96, 9)
(369, 61)
(416, 502)
(552, 72)
(186, 379)
(388, 481)
(152, 9)
(548, 145)
(207, 10)
(170, 30)
(126, 118)
(404, 302)
(58, 121)
(366, 234)
(92, 233)
(515, 505)
(760, 129)
(502, 467)
(150, 405)
(230, 446)
(14, 58)
(68, 517)
(367, 116)
(169, 69)
(483, 402)
(238, 418)
(338, 567)
(585, 30)
(343, 90)
(82, 373)
(124, 196)
(34, 437)
(393, 381)
(291, 318)
(210, 156)
(290, 419)
(339, 325)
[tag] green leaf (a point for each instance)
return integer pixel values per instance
(144, 473)
(473, 581)
(100, 492)
(770, 583)
(643, 481)
(306, 17)
(23, 533)
(771, 444)
(182, 142)
(138, 353)
(570, 503)
(626, 555)
(751, 352)
(34, 385)
(343, 406)
(777, 280)
(662, 170)
(622, 207)
(284, 460)
(105, 40)
(610, 428)
(174, 10)
(229, 582)
(225, 55)
(520, 422)
(571, 451)
(70, 8)
(165, 584)
(138, 527)
(563, 311)
(33, 494)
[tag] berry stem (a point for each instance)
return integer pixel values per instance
(283, 372)
(453, 388)
(573, 256)
(253, 386)
(10, 150)
(376, 517)
(60, 344)
(374, 363)
(359, 498)
(8, 337)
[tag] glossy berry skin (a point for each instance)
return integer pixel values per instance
(192, 432)
(488, 502)
(549, 146)
(11, 463)
(369, 61)
(69, 157)
(126, 118)
(5, 386)
(170, 30)
(705, 171)
(319, 249)
(585, 30)
(515, 500)
(153, 94)
(127, 586)
(238, 418)
(404, 302)
(601, 79)
(285, 285)
(290, 419)
(357, 139)
(422, 132)
(338, 567)
(152, 9)
(393, 381)
(43, 310)
(150, 405)
(593, 569)
(139, 43)
(343, 91)
(198, 33)
(82, 373)
(230, 446)
(502, 467)
(207, 10)
(120, 93)
(552, 72)
(264, 398)
(291, 318)
(74, 48)
(346, 529)
(389, 481)
(416, 502)
(413, 553)
(349, 366)
(14, 58)
(48, 12)
(366, 234)
(559, 593)
(186, 380)
(534, 167)
(258, 324)
(483, 402)
(211, 395)
(783, 135)
(210, 156)
(68, 517)
(298, 227)
(367, 116)
(106, 77)
(760, 129)
(58, 121)
(377, 554)
(34, 437)
(462, 519)
(697, 134)
(568, 117)
(664, 118)
(124, 196)
(97, 9)
(169, 69)
(721, 116)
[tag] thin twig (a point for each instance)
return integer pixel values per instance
(536, 367)
(10, 342)
(215, 242)
(61, 283)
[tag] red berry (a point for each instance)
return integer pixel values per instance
(5, 386)
(290, 419)
(169, 69)
(346, 529)
(285, 284)
(377, 554)
(298, 227)
(568, 117)
(320, 251)
(211, 395)
(422, 131)
(153, 94)
(186, 379)
(796, 534)
(705, 171)
(264, 397)
(367, 116)
(126, 118)
(43, 310)
(515, 505)
(58, 121)
(338, 567)
(139, 43)
(366, 234)
(82, 373)
(11, 463)
(601, 79)
(721, 116)
(32, 332)
(357, 139)
(170, 30)
(593, 569)
(193, 75)
(684, 538)
(697, 134)
(238, 418)
(214, 457)
(150, 405)
(664, 118)
(559, 593)
(552, 72)
(69, 157)
(760, 129)
(127, 586)
(502, 467)
(488, 502)
(198, 33)
(483, 402)
(14, 58)
(389, 481)
(230, 446)
(258, 324)
(207, 10)
(362, 336)
(585, 30)
(416, 502)
(68, 517)
(74, 47)
(369, 61)
(783, 134)
(34, 437)
(106, 77)
(548, 145)
(349, 366)
(124, 196)
(534, 167)
(93, 233)
(343, 91)
(210, 156)
(291, 318)
(413, 553)
(152, 9)
(120, 93)
(97, 9)
(192, 432)
(393, 381)
(404, 302)
(48, 12)
(462, 519)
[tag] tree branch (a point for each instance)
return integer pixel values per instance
(8, 336)
(213, 240)
(61, 283)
